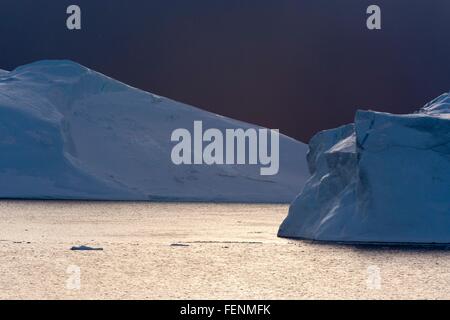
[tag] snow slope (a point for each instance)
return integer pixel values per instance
(67, 132)
(384, 179)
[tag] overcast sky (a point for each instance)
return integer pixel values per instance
(297, 65)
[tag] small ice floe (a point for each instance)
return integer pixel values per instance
(179, 245)
(85, 248)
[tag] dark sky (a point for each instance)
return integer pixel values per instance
(297, 65)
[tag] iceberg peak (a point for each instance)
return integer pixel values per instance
(439, 106)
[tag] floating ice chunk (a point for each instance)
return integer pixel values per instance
(385, 179)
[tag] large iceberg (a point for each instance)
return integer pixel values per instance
(385, 178)
(67, 132)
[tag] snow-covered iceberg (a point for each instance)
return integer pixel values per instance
(385, 178)
(67, 132)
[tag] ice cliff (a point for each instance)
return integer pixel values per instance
(385, 178)
(67, 132)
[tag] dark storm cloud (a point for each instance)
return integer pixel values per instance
(297, 65)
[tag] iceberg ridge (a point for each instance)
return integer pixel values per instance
(68, 132)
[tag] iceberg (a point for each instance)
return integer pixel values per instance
(68, 132)
(383, 179)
